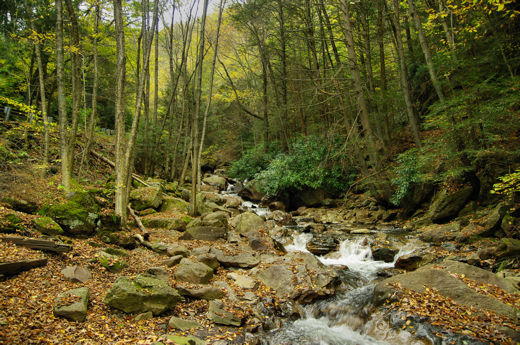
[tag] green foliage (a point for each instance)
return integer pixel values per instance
(510, 183)
(307, 165)
(252, 162)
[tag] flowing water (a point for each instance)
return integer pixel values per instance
(347, 318)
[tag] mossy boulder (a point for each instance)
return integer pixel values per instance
(111, 262)
(78, 216)
(47, 226)
(147, 197)
(171, 204)
(10, 224)
(142, 294)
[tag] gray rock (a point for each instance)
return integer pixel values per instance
(193, 272)
(508, 248)
(206, 230)
(243, 260)
(183, 325)
(256, 244)
(248, 223)
(216, 180)
(174, 260)
(473, 259)
(219, 215)
(204, 292)
(321, 244)
(143, 293)
(75, 310)
(251, 192)
(174, 250)
(209, 260)
(279, 278)
(449, 286)
(200, 251)
(187, 340)
(440, 233)
(217, 314)
(384, 254)
(361, 231)
(243, 281)
(447, 207)
(144, 316)
(414, 260)
(76, 274)
(160, 248)
(159, 273)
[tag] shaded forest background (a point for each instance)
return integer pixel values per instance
(379, 96)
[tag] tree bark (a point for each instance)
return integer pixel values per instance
(404, 79)
(426, 51)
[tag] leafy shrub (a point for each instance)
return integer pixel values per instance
(307, 165)
(252, 162)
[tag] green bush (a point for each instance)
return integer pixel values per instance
(252, 162)
(307, 165)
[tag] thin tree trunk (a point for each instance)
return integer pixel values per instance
(404, 78)
(196, 114)
(283, 49)
(426, 51)
(41, 76)
(93, 113)
(206, 112)
(384, 86)
(120, 207)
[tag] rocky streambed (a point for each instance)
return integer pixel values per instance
(340, 273)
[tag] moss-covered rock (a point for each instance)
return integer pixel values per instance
(78, 216)
(10, 224)
(147, 197)
(447, 207)
(20, 204)
(47, 226)
(171, 204)
(111, 264)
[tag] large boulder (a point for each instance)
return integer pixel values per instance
(146, 197)
(420, 193)
(171, 204)
(443, 279)
(448, 206)
(141, 294)
(493, 221)
(193, 272)
(206, 230)
(217, 181)
(280, 279)
(251, 192)
(72, 304)
(243, 260)
(248, 223)
(414, 260)
(440, 233)
(308, 197)
(78, 216)
(508, 248)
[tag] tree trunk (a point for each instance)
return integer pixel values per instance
(404, 79)
(206, 112)
(195, 120)
(93, 113)
(41, 76)
(426, 51)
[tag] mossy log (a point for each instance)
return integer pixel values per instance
(38, 244)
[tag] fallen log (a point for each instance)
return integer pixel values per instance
(137, 220)
(38, 244)
(17, 267)
(113, 165)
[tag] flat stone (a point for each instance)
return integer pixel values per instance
(243, 260)
(183, 325)
(144, 316)
(159, 273)
(243, 281)
(174, 260)
(77, 274)
(204, 292)
(218, 315)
